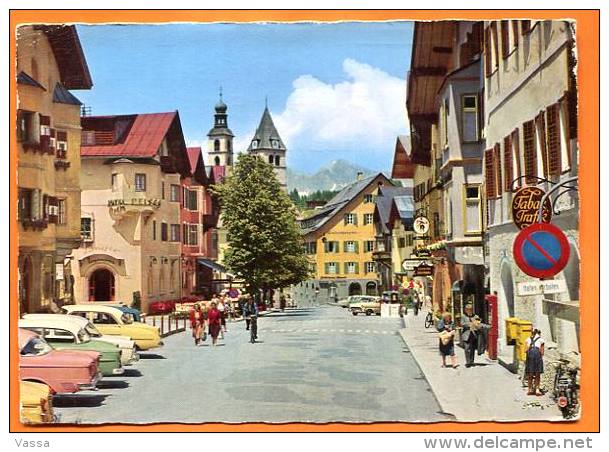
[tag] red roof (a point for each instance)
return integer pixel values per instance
(403, 168)
(194, 154)
(143, 139)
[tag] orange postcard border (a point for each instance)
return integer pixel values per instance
(588, 53)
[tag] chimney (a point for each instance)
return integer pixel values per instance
(360, 175)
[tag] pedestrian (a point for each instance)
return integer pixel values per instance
(446, 328)
(282, 302)
(246, 313)
(222, 309)
(197, 323)
(533, 368)
(252, 311)
(214, 323)
(469, 334)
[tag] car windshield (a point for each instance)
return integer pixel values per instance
(126, 319)
(83, 336)
(92, 331)
(36, 347)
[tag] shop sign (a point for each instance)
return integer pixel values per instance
(423, 270)
(410, 264)
(422, 252)
(420, 225)
(542, 287)
(525, 207)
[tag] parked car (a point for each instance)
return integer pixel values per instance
(113, 322)
(64, 333)
(36, 403)
(124, 343)
(161, 307)
(366, 305)
(350, 299)
(135, 314)
(64, 371)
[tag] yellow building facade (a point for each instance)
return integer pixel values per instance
(48, 149)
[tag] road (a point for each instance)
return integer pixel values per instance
(317, 364)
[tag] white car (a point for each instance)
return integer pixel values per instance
(126, 345)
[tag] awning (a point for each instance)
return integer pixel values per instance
(211, 264)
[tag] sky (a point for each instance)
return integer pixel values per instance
(335, 91)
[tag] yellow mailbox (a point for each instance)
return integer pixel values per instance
(524, 328)
(511, 330)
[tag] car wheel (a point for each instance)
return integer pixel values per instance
(354, 313)
(368, 312)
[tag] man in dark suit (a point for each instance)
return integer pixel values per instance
(469, 334)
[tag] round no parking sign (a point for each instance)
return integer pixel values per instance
(541, 250)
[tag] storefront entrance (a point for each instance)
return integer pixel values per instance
(101, 285)
(355, 289)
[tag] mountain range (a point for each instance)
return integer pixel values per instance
(334, 176)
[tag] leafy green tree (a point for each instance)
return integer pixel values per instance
(265, 247)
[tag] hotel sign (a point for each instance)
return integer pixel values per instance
(525, 207)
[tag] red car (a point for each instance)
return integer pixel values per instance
(65, 371)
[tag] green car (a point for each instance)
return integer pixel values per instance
(62, 332)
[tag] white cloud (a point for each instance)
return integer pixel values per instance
(367, 110)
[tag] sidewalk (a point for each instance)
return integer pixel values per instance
(485, 392)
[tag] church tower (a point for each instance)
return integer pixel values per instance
(268, 145)
(220, 138)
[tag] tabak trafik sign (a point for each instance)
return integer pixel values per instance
(525, 207)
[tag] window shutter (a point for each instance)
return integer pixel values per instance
(515, 141)
(497, 161)
(489, 167)
(488, 59)
(505, 38)
(354, 219)
(526, 26)
(515, 32)
(346, 221)
(530, 153)
(45, 120)
(481, 123)
(346, 268)
(540, 124)
(185, 234)
(564, 105)
(357, 267)
(495, 35)
(508, 163)
(553, 137)
(326, 247)
(357, 247)
(326, 268)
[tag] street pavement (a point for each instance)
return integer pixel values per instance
(315, 364)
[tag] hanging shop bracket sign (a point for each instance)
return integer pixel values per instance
(526, 205)
(423, 270)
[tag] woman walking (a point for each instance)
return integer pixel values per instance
(214, 322)
(534, 361)
(446, 327)
(197, 323)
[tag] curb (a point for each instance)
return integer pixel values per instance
(416, 360)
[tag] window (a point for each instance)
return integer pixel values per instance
(193, 234)
(368, 198)
(62, 145)
(164, 232)
(351, 268)
(275, 144)
(368, 218)
(310, 247)
(277, 160)
(174, 233)
(174, 193)
(153, 229)
(331, 268)
(369, 246)
(61, 211)
(114, 181)
(254, 144)
(192, 200)
(140, 182)
(554, 140)
(351, 218)
(469, 117)
(271, 160)
(216, 145)
(25, 204)
(351, 246)
(473, 212)
(530, 152)
(370, 267)
(331, 247)
(401, 242)
(27, 127)
(86, 229)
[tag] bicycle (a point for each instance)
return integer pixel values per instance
(429, 320)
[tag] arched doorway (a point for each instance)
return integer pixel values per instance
(355, 289)
(371, 288)
(101, 285)
(507, 286)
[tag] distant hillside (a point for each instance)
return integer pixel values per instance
(333, 176)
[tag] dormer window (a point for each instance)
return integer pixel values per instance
(275, 144)
(255, 144)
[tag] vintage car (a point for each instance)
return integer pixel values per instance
(64, 371)
(113, 322)
(124, 343)
(64, 333)
(134, 314)
(366, 305)
(36, 403)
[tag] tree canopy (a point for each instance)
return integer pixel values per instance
(265, 247)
